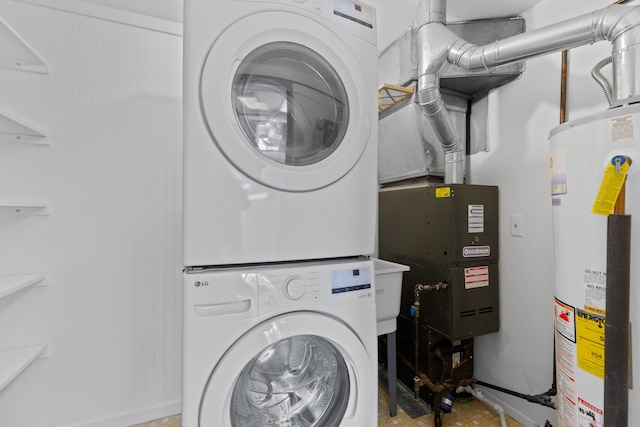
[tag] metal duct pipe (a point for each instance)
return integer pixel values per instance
(617, 24)
(432, 11)
(564, 35)
(434, 39)
(438, 46)
(626, 61)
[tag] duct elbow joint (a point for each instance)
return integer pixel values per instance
(466, 55)
(429, 96)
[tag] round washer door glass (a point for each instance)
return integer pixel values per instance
(299, 381)
(301, 368)
(290, 103)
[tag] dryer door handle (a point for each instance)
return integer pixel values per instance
(206, 310)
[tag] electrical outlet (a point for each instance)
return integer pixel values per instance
(517, 225)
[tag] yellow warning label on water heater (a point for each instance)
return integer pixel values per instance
(443, 192)
(590, 342)
(610, 188)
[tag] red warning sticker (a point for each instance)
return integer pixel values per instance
(476, 277)
(565, 320)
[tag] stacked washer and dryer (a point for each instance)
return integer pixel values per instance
(280, 202)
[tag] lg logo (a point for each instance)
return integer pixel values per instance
(199, 283)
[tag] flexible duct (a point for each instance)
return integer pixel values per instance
(438, 46)
(602, 80)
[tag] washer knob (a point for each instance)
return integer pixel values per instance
(294, 288)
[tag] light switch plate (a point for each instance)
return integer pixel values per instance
(517, 225)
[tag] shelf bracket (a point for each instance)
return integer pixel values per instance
(16, 54)
(14, 130)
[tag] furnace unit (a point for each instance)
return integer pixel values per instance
(446, 233)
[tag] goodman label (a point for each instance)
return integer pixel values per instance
(476, 251)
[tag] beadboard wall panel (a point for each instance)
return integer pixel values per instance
(111, 246)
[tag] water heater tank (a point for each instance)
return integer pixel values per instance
(580, 153)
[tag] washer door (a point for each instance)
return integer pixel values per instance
(282, 97)
(298, 369)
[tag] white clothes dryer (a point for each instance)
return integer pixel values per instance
(280, 130)
(285, 345)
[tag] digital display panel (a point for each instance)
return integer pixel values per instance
(352, 279)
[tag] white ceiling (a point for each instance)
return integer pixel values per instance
(463, 10)
(171, 10)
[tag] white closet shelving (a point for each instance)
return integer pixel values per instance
(14, 130)
(14, 361)
(23, 208)
(16, 54)
(11, 284)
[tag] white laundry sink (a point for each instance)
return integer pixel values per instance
(388, 290)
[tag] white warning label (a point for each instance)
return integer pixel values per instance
(476, 219)
(476, 277)
(595, 291)
(622, 128)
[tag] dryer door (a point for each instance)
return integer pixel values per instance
(300, 369)
(283, 98)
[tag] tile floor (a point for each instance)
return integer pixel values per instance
(173, 421)
(466, 412)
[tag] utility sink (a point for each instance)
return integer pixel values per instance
(388, 290)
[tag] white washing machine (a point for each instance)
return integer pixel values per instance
(280, 130)
(280, 345)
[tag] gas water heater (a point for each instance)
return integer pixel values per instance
(587, 157)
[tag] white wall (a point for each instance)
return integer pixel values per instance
(521, 114)
(393, 18)
(111, 246)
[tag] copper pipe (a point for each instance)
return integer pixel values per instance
(435, 287)
(416, 344)
(563, 86)
(444, 387)
(416, 314)
(441, 352)
(424, 380)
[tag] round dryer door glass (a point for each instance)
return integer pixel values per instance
(290, 103)
(299, 381)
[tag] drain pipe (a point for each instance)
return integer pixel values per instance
(478, 395)
(438, 46)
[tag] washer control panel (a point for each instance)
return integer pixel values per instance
(310, 286)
